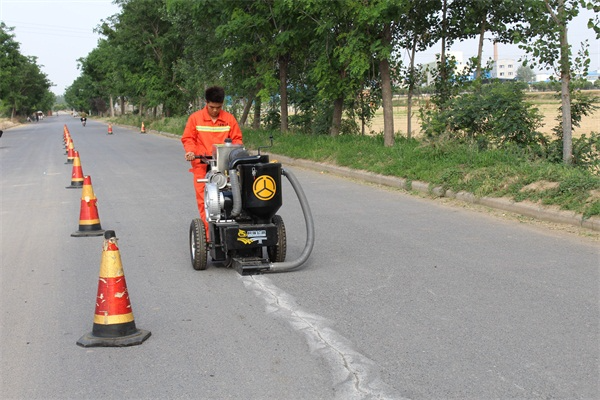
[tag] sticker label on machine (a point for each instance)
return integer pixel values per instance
(251, 236)
(237, 237)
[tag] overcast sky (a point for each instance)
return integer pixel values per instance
(58, 32)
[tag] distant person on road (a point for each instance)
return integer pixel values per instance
(205, 127)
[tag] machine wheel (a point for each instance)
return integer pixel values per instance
(198, 249)
(277, 253)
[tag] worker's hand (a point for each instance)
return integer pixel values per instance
(190, 156)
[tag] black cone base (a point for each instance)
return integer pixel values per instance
(88, 233)
(89, 340)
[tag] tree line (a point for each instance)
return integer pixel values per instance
(333, 62)
(24, 88)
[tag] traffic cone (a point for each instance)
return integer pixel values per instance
(114, 325)
(77, 173)
(70, 152)
(143, 130)
(67, 140)
(110, 132)
(89, 221)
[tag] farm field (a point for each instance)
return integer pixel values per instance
(546, 103)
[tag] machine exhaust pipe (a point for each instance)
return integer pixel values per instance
(310, 229)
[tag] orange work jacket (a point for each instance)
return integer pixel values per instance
(201, 133)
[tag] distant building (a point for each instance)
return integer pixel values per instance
(504, 69)
(431, 67)
(542, 77)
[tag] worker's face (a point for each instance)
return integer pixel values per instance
(214, 108)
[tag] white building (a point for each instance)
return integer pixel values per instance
(504, 69)
(431, 67)
(542, 77)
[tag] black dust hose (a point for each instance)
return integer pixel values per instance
(310, 229)
(235, 191)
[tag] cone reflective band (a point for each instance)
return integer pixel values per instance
(89, 220)
(77, 173)
(114, 325)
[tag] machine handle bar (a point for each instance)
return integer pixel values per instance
(204, 158)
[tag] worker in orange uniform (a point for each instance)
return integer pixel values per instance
(208, 126)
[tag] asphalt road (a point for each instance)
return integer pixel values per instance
(402, 297)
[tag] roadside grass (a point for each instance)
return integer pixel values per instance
(453, 166)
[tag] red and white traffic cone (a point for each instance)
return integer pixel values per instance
(89, 221)
(77, 173)
(114, 325)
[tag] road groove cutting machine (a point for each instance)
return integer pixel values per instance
(242, 195)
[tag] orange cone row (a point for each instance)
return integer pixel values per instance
(114, 325)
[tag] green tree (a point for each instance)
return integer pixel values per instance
(495, 115)
(24, 88)
(525, 74)
(543, 34)
(414, 34)
(149, 47)
(474, 18)
(199, 64)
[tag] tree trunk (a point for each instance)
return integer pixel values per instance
(283, 66)
(388, 106)
(411, 89)
(122, 99)
(246, 110)
(257, 107)
(386, 92)
(480, 48)
(443, 70)
(336, 122)
(565, 77)
(362, 116)
(112, 107)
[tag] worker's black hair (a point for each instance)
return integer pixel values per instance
(215, 94)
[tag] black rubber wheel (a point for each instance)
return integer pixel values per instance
(277, 252)
(198, 249)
